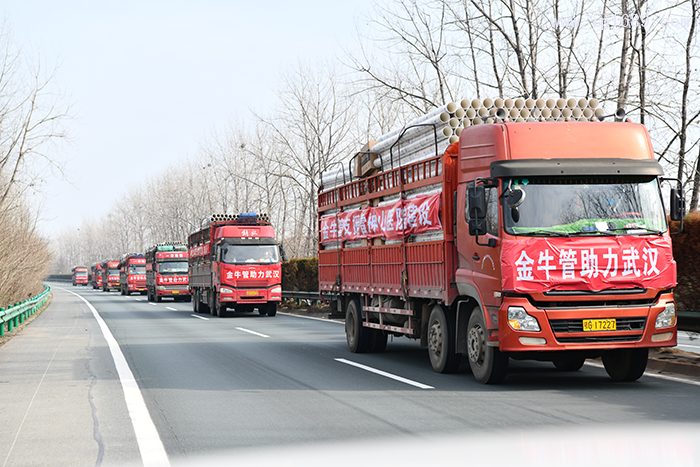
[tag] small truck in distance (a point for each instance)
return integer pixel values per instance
(167, 272)
(80, 275)
(234, 262)
(132, 274)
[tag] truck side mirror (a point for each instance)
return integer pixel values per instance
(477, 214)
(677, 205)
(283, 253)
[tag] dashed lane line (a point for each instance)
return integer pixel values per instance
(252, 332)
(384, 373)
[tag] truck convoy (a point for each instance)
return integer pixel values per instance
(534, 240)
(234, 262)
(80, 275)
(96, 276)
(132, 274)
(110, 275)
(167, 272)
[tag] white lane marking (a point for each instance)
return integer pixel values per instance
(252, 332)
(171, 308)
(384, 373)
(152, 304)
(311, 317)
(200, 317)
(656, 375)
(150, 445)
(139, 299)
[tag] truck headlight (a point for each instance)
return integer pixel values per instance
(276, 290)
(161, 287)
(521, 321)
(225, 290)
(667, 317)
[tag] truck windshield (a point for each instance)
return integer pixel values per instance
(584, 206)
(81, 273)
(246, 254)
(137, 269)
(173, 267)
(113, 272)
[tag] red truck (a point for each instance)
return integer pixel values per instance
(553, 246)
(80, 275)
(132, 274)
(96, 276)
(167, 272)
(234, 262)
(110, 275)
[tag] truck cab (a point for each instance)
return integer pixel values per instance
(80, 275)
(132, 274)
(110, 275)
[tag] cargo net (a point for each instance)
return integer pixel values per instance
(168, 246)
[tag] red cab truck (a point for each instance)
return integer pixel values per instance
(80, 275)
(167, 272)
(554, 246)
(110, 275)
(234, 262)
(132, 274)
(96, 275)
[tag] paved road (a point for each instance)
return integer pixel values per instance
(210, 385)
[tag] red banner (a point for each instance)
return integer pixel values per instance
(404, 217)
(536, 265)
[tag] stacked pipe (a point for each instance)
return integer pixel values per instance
(418, 142)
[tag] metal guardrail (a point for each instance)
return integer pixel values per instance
(17, 313)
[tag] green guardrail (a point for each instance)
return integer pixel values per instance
(17, 313)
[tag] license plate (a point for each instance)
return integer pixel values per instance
(599, 325)
(176, 291)
(252, 292)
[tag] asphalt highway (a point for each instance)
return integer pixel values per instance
(104, 379)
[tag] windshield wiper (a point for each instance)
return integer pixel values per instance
(552, 233)
(652, 231)
(604, 232)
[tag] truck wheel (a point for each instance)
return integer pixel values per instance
(568, 363)
(188, 298)
(211, 299)
(220, 309)
(489, 365)
(355, 333)
(203, 307)
(271, 308)
(377, 341)
(195, 302)
(625, 364)
(441, 341)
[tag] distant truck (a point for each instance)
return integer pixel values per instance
(553, 245)
(80, 275)
(132, 274)
(167, 272)
(96, 275)
(110, 275)
(234, 262)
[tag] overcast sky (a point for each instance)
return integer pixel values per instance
(149, 80)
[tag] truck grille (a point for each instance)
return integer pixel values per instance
(563, 326)
(576, 325)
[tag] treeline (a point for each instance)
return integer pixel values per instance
(412, 56)
(31, 114)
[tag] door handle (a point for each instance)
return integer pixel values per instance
(476, 257)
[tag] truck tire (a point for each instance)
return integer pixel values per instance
(211, 299)
(203, 307)
(568, 363)
(489, 365)
(625, 364)
(377, 341)
(195, 301)
(441, 341)
(220, 309)
(271, 308)
(355, 333)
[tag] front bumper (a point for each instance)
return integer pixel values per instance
(561, 328)
(256, 295)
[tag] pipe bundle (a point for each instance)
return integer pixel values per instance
(445, 124)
